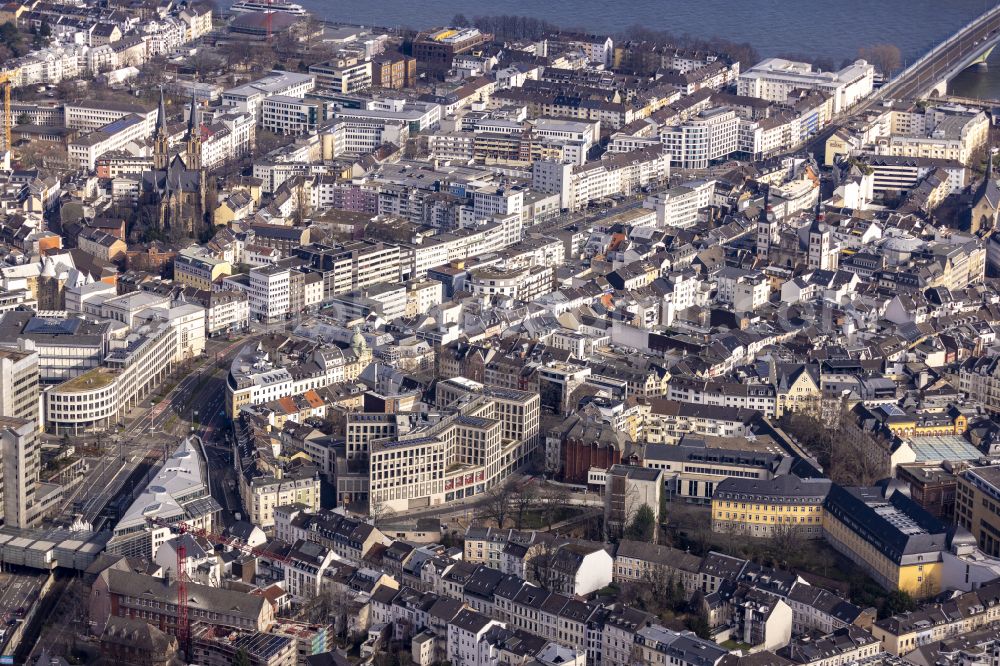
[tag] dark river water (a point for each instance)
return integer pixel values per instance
(832, 29)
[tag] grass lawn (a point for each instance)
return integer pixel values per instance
(536, 519)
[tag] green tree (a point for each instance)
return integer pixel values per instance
(643, 525)
(241, 658)
(699, 625)
(899, 601)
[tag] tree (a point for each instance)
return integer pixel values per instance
(379, 511)
(23, 119)
(13, 39)
(242, 658)
(498, 502)
(523, 501)
(699, 625)
(643, 525)
(885, 57)
(899, 601)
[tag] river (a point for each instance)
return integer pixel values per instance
(829, 28)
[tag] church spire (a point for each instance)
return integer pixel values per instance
(191, 124)
(161, 116)
(161, 140)
(763, 210)
(193, 141)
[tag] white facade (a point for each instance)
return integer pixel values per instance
(774, 78)
(679, 206)
(697, 142)
(269, 293)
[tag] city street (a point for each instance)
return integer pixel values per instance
(157, 425)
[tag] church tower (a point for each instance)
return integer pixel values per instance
(820, 238)
(161, 141)
(768, 234)
(193, 139)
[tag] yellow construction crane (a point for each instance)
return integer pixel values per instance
(7, 124)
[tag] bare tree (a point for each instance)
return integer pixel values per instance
(379, 511)
(555, 501)
(524, 500)
(885, 57)
(498, 503)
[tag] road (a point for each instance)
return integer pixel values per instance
(465, 509)
(159, 424)
(934, 69)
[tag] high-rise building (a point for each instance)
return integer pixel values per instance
(19, 384)
(19, 453)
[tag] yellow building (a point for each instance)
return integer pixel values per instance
(840, 143)
(906, 425)
(892, 538)
(198, 270)
(797, 389)
(768, 507)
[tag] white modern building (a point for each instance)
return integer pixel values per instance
(269, 293)
(178, 493)
(250, 96)
(774, 78)
(700, 140)
(678, 207)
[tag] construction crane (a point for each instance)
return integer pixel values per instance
(183, 626)
(219, 540)
(6, 84)
(182, 600)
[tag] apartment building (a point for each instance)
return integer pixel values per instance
(195, 267)
(19, 380)
(902, 634)
(979, 378)
(524, 284)
(19, 447)
(897, 173)
(353, 265)
(269, 293)
(612, 175)
(462, 455)
(258, 375)
(361, 136)
(937, 132)
(679, 206)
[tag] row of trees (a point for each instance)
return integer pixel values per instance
(511, 504)
(508, 26)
